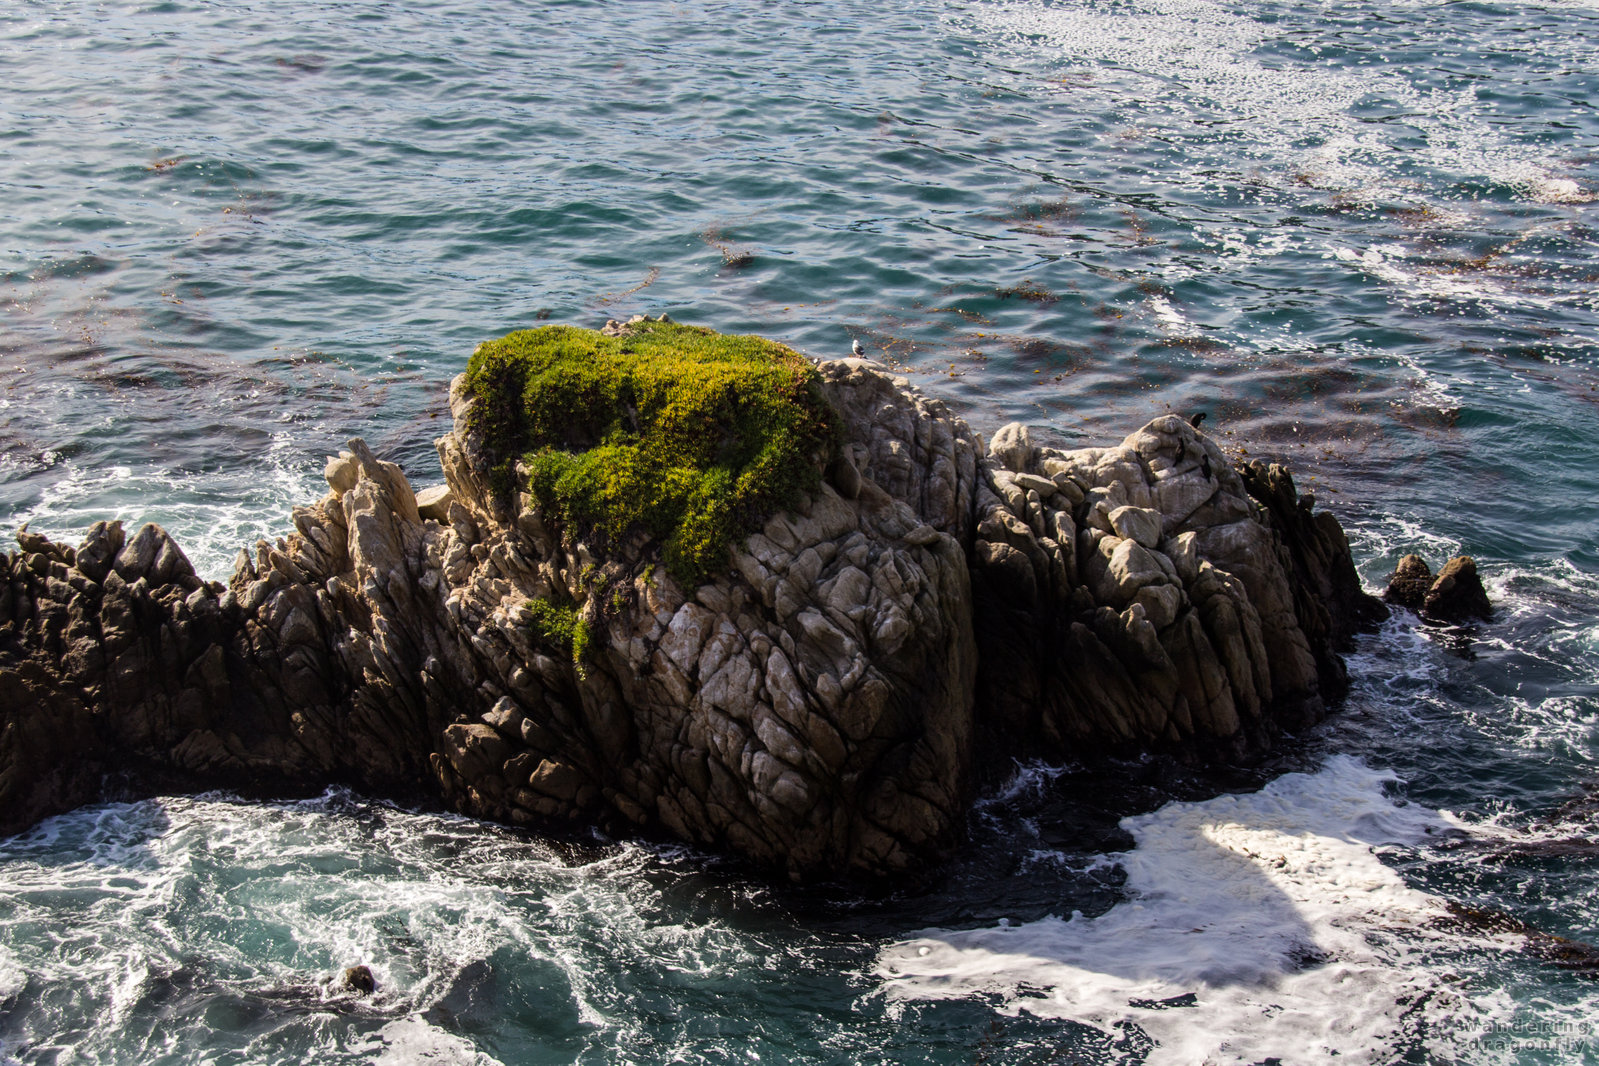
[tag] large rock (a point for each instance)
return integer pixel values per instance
(815, 705)
(1151, 596)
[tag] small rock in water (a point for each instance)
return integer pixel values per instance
(360, 979)
(1408, 584)
(1454, 595)
(1457, 593)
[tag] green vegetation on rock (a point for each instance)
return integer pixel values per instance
(561, 625)
(692, 436)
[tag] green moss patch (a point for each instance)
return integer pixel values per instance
(692, 436)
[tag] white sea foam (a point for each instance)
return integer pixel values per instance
(212, 516)
(1385, 537)
(1300, 119)
(413, 1040)
(1272, 910)
(1030, 780)
(13, 978)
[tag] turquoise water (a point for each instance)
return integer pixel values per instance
(1363, 238)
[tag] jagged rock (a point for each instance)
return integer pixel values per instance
(1454, 595)
(1408, 584)
(814, 706)
(1168, 602)
(1012, 447)
(1457, 594)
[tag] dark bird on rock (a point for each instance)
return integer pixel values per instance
(1204, 466)
(1197, 419)
(1182, 450)
(856, 348)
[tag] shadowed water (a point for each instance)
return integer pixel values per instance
(1362, 237)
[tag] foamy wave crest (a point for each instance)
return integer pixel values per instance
(12, 977)
(1251, 917)
(212, 514)
(239, 919)
(413, 1041)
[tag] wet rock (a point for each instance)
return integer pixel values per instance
(359, 979)
(1457, 595)
(1454, 595)
(1408, 584)
(816, 707)
(1561, 952)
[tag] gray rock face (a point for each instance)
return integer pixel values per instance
(1148, 596)
(809, 709)
(814, 708)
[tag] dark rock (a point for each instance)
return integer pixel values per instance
(1453, 596)
(359, 979)
(1168, 602)
(99, 550)
(1324, 569)
(1408, 584)
(1457, 595)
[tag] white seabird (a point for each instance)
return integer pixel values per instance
(855, 347)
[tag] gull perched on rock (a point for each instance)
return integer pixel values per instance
(856, 349)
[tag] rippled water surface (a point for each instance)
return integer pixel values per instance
(1362, 236)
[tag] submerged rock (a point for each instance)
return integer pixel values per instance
(1563, 952)
(794, 651)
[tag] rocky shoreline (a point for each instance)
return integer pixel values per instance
(820, 708)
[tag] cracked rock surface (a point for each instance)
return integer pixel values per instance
(816, 708)
(1151, 596)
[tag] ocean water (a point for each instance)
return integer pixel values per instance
(1363, 237)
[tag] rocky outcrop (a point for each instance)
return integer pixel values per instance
(1454, 596)
(809, 709)
(1151, 596)
(816, 707)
